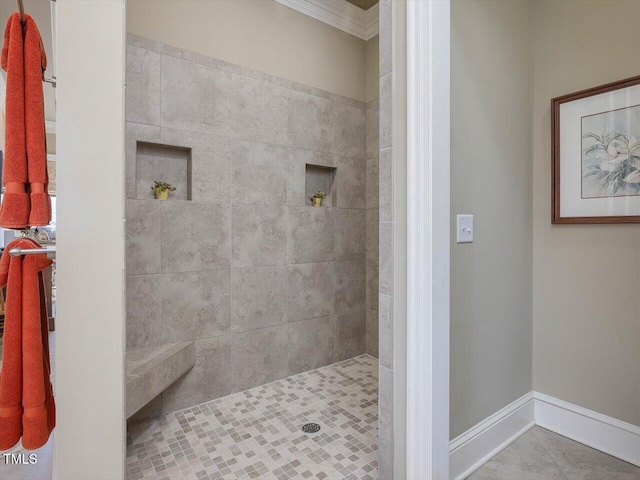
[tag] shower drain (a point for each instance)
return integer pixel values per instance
(310, 428)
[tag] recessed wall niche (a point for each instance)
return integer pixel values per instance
(320, 177)
(163, 163)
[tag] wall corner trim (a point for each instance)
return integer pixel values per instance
(339, 14)
(607, 434)
(472, 449)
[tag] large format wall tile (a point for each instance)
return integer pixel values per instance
(352, 182)
(310, 344)
(195, 236)
(372, 333)
(193, 96)
(385, 176)
(372, 284)
(386, 258)
(385, 320)
(311, 122)
(258, 111)
(143, 86)
(350, 131)
(259, 235)
(385, 37)
(143, 306)
(259, 173)
(372, 233)
(350, 285)
(211, 158)
(259, 356)
(310, 290)
(142, 237)
(310, 236)
(386, 111)
(210, 377)
(259, 298)
(372, 128)
(195, 305)
(373, 182)
(349, 335)
(349, 233)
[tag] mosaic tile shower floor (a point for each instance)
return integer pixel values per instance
(256, 434)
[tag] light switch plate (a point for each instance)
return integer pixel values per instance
(465, 228)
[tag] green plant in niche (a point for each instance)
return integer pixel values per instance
(162, 190)
(317, 198)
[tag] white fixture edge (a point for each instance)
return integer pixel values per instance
(475, 447)
(607, 434)
(472, 449)
(339, 14)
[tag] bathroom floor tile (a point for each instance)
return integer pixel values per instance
(543, 455)
(258, 433)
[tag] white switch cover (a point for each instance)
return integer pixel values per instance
(465, 228)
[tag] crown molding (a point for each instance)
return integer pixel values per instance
(339, 14)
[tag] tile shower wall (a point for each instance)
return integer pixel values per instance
(265, 285)
(386, 254)
(372, 226)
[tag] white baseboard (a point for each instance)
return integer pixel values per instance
(469, 451)
(609, 435)
(476, 446)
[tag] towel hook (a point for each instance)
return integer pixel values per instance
(21, 9)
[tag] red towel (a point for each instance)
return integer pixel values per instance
(27, 407)
(26, 201)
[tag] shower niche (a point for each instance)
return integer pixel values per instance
(163, 163)
(323, 178)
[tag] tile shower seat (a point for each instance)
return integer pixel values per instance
(151, 370)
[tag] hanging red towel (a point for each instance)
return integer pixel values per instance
(26, 200)
(27, 407)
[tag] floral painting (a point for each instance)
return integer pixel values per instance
(611, 153)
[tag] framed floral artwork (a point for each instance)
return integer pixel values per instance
(595, 153)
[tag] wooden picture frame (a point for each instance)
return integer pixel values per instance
(623, 105)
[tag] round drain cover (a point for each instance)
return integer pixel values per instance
(311, 428)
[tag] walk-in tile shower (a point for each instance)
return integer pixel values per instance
(236, 281)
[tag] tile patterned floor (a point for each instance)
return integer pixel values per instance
(543, 455)
(257, 433)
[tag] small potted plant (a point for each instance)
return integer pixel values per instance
(162, 190)
(317, 198)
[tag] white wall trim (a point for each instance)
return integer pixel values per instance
(428, 191)
(90, 443)
(476, 446)
(339, 14)
(607, 434)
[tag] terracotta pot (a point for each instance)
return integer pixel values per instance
(162, 194)
(317, 202)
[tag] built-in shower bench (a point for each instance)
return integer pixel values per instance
(151, 370)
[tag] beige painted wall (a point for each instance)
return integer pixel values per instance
(259, 34)
(586, 279)
(372, 75)
(491, 291)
